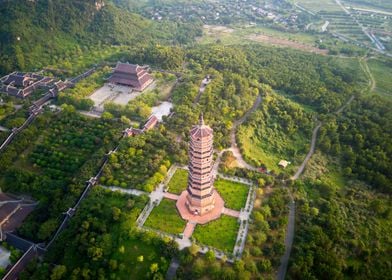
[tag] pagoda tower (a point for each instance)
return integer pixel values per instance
(200, 197)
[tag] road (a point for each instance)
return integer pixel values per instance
(171, 272)
(288, 242)
(310, 153)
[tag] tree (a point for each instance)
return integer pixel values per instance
(210, 256)
(116, 212)
(121, 249)
(125, 120)
(58, 272)
(261, 182)
(107, 116)
(47, 228)
(194, 249)
(154, 268)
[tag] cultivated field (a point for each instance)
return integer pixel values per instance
(319, 5)
(263, 35)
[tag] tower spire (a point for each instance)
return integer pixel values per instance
(201, 119)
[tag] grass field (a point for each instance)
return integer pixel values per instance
(234, 194)
(220, 234)
(165, 218)
(382, 73)
(179, 181)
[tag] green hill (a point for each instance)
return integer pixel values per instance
(35, 33)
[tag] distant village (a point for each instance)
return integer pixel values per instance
(251, 12)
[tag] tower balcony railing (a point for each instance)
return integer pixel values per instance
(201, 151)
(200, 155)
(199, 168)
(201, 145)
(199, 196)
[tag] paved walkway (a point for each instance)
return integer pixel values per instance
(231, 212)
(189, 228)
(171, 196)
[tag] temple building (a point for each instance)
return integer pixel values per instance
(23, 84)
(131, 75)
(201, 193)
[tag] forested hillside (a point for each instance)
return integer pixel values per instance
(34, 34)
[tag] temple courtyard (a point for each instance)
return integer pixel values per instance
(118, 94)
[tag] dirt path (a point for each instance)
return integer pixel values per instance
(234, 147)
(365, 68)
(310, 153)
(202, 88)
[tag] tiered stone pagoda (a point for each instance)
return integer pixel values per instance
(201, 194)
(131, 75)
(200, 202)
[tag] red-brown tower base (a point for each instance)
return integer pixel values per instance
(186, 214)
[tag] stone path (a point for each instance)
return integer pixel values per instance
(231, 212)
(157, 194)
(189, 228)
(171, 196)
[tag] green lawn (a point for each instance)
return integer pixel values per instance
(234, 194)
(165, 218)
(179, 181)
(220, 234)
